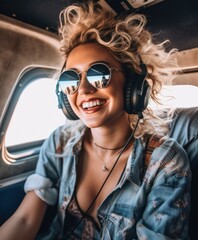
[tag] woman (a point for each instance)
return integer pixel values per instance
(99, 171)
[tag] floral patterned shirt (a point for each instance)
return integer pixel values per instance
(151, 203)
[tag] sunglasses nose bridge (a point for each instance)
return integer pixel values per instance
(85, 86)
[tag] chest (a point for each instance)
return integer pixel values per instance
(94, 184)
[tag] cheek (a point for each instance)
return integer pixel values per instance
(121, 94)
(120, 98)
(118, 89)
(117, 96)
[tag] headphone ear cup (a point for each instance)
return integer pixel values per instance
(66, 107)
(137, 91)
(64, 104)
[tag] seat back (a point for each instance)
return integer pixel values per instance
(184, 129)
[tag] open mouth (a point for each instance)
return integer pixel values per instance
(92, 104)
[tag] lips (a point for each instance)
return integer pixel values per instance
(93, 103)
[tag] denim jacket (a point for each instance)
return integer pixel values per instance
(151, 203)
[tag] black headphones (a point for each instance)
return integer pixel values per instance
(136, 92)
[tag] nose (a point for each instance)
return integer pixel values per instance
(85, 87)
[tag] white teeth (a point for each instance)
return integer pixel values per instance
(92, 103)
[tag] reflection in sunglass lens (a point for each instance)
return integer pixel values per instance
(98, 75)
(69, 81)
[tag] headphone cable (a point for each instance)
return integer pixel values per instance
(140, 116)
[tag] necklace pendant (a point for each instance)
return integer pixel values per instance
(104, 168)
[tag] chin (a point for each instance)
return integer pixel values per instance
(91, 124)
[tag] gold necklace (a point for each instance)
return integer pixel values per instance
(104, 148)
(104, 166)
(95, 146)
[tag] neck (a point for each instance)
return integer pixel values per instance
(110, 138)
(110, 149)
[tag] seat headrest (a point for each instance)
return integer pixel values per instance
(184, 129)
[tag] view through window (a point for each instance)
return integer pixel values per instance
(36, 114)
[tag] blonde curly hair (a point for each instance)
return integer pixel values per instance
(128, 41)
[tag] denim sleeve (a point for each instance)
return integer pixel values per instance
(46, 178)
(166, 214)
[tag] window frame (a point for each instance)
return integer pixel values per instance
(28, 151)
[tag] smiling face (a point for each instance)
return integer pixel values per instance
(97, 107)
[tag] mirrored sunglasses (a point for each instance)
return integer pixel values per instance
(98, 75)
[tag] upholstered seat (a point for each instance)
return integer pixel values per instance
(184, 129)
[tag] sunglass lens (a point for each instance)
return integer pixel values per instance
(69, 81)
(98, 75)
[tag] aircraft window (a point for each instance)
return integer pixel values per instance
(177, 96)
(36, 114)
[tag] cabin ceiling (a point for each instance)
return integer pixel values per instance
(176, 20)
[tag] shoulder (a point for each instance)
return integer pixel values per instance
(171, 158)
(168, 149)
(169, 165)
(64, 135)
